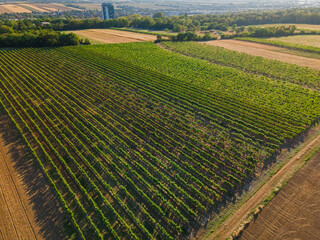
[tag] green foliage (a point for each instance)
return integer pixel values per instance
(159, 14)
(159, 21)
(5, 29)
(140, 147)
(268, 93)
(43, 38)
(283, 44)
(248, 63)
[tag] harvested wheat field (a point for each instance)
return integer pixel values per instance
(295, 212)
(90, 6)
(266, 51)
(28, 208)
(4, 10)
(309, 40)
(114, 36)
(36, 7)
(12, 8)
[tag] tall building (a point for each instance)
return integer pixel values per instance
(107, 11)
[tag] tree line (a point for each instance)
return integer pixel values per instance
(183, 23)
(39, 38)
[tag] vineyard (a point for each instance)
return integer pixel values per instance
(285, 44)
(140, 147)
(248, 63)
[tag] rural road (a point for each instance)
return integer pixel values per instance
(266, 51)
(231, 224)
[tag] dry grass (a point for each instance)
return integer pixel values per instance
(299, 26)
(37, 7)
(12, 8)
(114, 36)
(34, 7)
(311, 40)
(90, 6)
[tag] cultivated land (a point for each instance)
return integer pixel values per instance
(17, 217)
(231, 224)
(139, 142)
(28, 208)
(113, 36)
(294, 212)
(34, 7)
(248, 63)
(309, 40)
(266, 51)
(274, 69)
(90, 6)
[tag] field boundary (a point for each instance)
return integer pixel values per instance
(278, 177)
(221, 64)
(267, 51)
(255, 212)
(279, 43)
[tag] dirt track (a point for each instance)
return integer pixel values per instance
(295, 212)
(266, 51)
(230, 225)
(114, 36)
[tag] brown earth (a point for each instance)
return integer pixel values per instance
(114, 36)
(295, 212)
(266, 51)
(228, 227)
(28, 207)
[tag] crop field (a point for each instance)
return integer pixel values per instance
(248, 63)
(141, 148)
(34, 7)
(113, 36)
(266, 51)
(90, 6)
(25, 196)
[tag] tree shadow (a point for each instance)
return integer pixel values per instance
(49, 214)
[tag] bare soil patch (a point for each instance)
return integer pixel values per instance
(231, 224)
(266, 51)
(28, 207)
(295, 212)
(114, 36)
